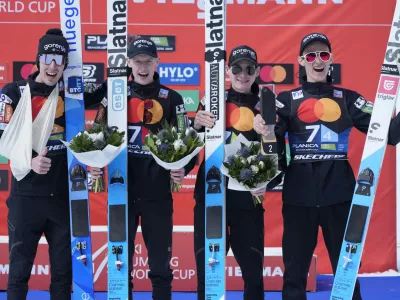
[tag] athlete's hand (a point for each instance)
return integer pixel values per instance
(41, 164)
(95, 172)
(177, 175)
(259, 126)
(204, 119)
(259, 192)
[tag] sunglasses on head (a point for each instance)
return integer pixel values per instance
(251, 70)
(312, 56)
(148, 116)
(48, 58)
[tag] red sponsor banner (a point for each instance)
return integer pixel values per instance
(90, 115)
(48, 11)
(192, 11)
(262, 12)
(3, 72)
(182, 264)
(189, 182)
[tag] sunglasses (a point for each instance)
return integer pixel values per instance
(251, 70)
(48, 58)
(312, 56)
(148, 116)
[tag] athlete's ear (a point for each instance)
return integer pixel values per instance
(226, 69)
(156, 60)
(257, 71)
(128, 62)
(301, 61)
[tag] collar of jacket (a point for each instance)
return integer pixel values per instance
(148, 90)
(317, 88)
(39, 88)
(242, 98)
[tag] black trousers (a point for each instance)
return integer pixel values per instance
(157, 227)
(300, 234)
(28, 219)
(245, 235)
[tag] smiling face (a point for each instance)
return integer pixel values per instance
(50, 74)
(242, 75)
(316, 59)
(143, 68)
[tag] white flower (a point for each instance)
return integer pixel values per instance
(95, 136)
(251, 158)
(100, 136)
(173, 129)
(158, 142)
(261, 164)
(178, 144)
(254, 169)
(243, 161)
(187, 131)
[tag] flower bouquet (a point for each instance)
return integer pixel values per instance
(97, 147)
(247, 168)
(173, 150)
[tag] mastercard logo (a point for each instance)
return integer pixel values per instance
(136, 111)
(325, 109)
(276, 74)
(240, 118)
(22, 69)
(27, 70)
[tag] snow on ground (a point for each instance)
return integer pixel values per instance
(381, 274)
(387, 273)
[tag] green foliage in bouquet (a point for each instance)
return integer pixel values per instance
(171, 146)
(97, 138)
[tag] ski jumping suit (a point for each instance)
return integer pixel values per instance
(245, 222)
(319, 181)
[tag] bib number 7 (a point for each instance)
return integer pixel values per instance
(327, 135)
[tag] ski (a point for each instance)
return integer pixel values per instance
(215, 56)
(117, 44)
(370, 168)
(81, 245)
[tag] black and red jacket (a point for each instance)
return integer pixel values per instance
(240, 112)
(55, 182)
(318, 118)
(148, 106)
